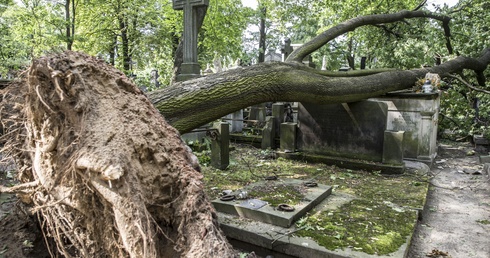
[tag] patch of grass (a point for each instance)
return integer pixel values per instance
(483, 221)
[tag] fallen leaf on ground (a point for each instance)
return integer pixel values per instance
(437, 253)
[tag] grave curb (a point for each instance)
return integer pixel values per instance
(273, 238)
(344, 162)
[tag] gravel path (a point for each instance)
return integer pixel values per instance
(455, 221)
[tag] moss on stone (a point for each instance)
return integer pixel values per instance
(278, 193)
(379, 219)
(364, 225)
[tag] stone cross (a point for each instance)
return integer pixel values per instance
(190, 67)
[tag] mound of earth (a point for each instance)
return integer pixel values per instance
(100, 167)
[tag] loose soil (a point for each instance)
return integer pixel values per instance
(455, 221)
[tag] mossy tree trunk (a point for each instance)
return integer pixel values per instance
(189, 104)
(193, 103)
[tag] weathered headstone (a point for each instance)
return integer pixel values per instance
(416, 114)
(220, 146)
(288, 137)
(269, 133)
(190, 67)
(258, 113)
(393, 147)
(236, 121)
(278, 114)
(353, 130)
(154, 78)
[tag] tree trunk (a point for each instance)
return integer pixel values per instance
(105, 172)
(70, 24)
(191, 104)
(263, 14)
(123, 28)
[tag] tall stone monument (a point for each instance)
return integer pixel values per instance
(190, 67)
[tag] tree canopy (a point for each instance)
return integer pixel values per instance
(128, 177)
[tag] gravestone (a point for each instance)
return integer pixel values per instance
(417, 115)
(220, 145)
(236, 121)
(350, 130)
(257, 209)
(154, 78)
(190, 67)
(269, 133)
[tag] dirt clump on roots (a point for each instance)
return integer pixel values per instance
(100, 167)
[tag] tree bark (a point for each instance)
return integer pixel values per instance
(189, 104)
(262, 35)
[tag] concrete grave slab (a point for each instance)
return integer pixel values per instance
(267, 239)
(267, 213)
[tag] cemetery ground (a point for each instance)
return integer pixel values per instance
(378, 215)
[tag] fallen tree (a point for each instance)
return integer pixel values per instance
(106, 174)
(187, 105)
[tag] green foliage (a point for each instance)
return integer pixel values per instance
(459, 118)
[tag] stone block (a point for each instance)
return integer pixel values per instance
(220, 145)
(486, 169)
(288, 137)
(393, 147)
(268, 214)
(278, 114)
(417, 115)
(350, 130)
(484, 159)
(269, 133)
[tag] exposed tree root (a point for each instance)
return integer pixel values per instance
(106, 174)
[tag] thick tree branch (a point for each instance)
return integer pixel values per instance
(298, 54)
(189, 104)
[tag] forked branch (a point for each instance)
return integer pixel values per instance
(376, 19)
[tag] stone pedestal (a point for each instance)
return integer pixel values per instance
(349, 130)
(288, 137)
(417, 115)
(258, 113)
(393, 147)
(236, 121)
(189, 71)
(278, 114)
(269, 133)
(220, 146)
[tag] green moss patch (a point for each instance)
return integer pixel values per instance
(276, 193)
(364, 225)
(378, 220)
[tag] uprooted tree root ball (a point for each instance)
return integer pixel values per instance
(104, 172)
